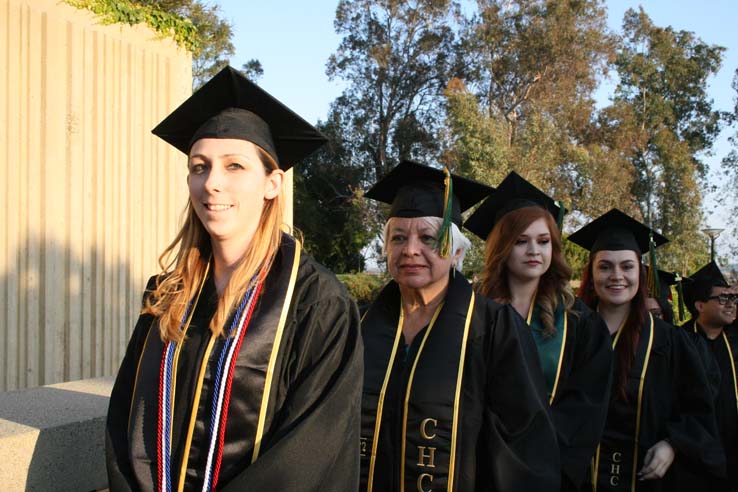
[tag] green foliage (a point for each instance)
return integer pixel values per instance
(330, 210)
(577, 257)
(660, 122)
(525, 102)
(730, 161)
(194, 24)
(252, 69)
(394, 57)
(214, 33)
(182, 30)
(363, 287)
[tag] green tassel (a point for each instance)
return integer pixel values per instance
(680, 293)
(560, 218)
(654, 289)
(444, 234)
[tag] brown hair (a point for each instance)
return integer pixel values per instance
(184, 263)
(631, 330)
(553, 285)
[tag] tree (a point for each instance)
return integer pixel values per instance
(395, 57)
(661, 122)
(330, 211)
(730, 161)
(530, 68)
(214, 48)
(252, 69)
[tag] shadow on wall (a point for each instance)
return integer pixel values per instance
(67, 313)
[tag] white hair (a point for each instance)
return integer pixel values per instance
(459, 242)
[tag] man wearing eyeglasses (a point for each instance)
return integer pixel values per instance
(712, 304)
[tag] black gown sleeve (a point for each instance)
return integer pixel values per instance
(709, 362)
(120, 473)
(519, 450)
(580, 408)
(692, 428)
(313, 444)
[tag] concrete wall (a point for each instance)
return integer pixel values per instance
(88, 197)
(53, 438)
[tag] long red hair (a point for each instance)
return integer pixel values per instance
(631, 330)
(553, 286)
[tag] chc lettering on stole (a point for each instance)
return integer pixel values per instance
(426, 455)
(617, 458)
(362, 446)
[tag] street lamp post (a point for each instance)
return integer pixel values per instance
(712, 233)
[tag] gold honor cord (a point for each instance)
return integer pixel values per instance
(178, 348)
(561, 359)
(193, 414)
(380, 403)
(135, 381)
(275, 351)
(407, 395)
(640, 401)
(457, 397)
(732, 366)
(617, 335)
(563, 347)
(529, 318)
(596, 459)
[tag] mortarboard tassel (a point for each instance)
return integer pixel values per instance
(444, 234)
(680, 292)
(654, 289)
(560, 217)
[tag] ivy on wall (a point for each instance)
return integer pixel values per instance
(182, 30)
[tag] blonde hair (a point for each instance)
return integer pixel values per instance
(184, 264)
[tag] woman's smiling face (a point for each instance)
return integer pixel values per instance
(616, 276)
(228, 185)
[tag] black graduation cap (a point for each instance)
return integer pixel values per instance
(711, 275)
(231, 106)
(666, 280)
(415, 190)
(616, 231)
(702, 281)
(512, 194)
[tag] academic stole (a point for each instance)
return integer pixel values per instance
(616, 461)
(550, 349)
(430, 409)
(730, 356)
(258, 350)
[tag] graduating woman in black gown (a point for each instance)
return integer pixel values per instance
(244, 369)
(661, 403)
(451, 401)
(525, 267)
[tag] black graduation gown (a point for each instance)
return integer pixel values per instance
(668, 398)
(310, 424)
(722, 360)
(581, 392)
(468, 402)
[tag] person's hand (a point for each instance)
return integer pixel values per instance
(657, 461)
